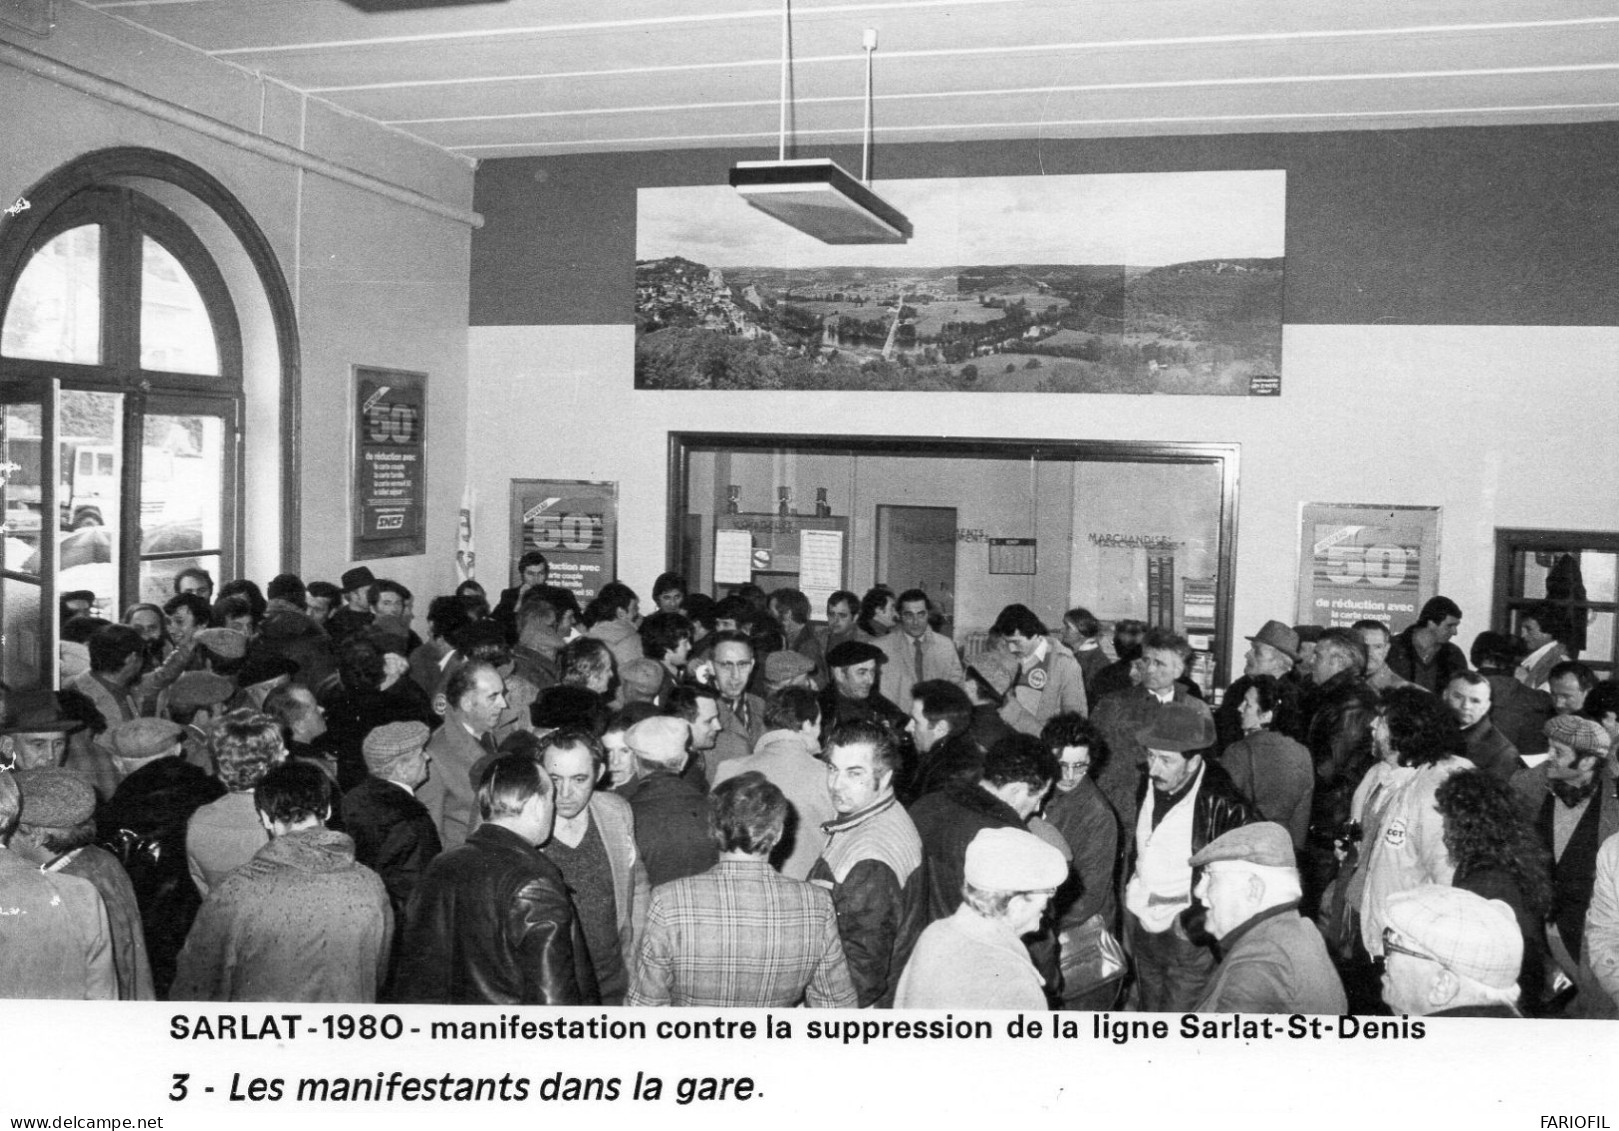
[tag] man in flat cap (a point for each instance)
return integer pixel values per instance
(394, 834)
(1570, 799)
(57, 831)
(671, 814)
(788, 668)
(1273, 960)
(643, 680)
(196, 702)
(54, 940)
(976, 959)
(1450, 953)
(1185, 804)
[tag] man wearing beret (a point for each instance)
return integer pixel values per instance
(54, 940)
(355, 615)
(57, 831)
(975, 958)
(1570, 799)
(1273, 960)
(1450, 953)
(1185, 804)
(852, 695)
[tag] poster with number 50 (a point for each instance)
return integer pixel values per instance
(574, 523)
(1366, 562)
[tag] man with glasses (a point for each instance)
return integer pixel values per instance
(742, 714)
(1450, 953)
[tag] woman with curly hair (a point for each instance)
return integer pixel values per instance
(1497, 855)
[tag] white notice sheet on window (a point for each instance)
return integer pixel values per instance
(733, 557)
(820, 567)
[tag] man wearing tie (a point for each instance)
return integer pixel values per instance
(476, 695)
(742, 716)
(916, 653)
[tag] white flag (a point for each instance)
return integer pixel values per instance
(466, 558)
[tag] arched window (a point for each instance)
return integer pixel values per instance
(121, 387)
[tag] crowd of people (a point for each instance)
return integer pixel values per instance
(289, 795)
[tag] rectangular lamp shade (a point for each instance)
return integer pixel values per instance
(820, 199)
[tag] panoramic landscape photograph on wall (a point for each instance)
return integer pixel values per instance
(1118, 283)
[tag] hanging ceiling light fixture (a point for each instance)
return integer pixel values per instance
(817, 195)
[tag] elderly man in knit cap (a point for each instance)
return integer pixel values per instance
(1570, 801)
(57, 831)
(671, 814)
(1274, 960)
(394, 834)
(975, 959)
(1450, 953)
(54, 940)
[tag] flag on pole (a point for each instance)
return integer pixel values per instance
(466, 558)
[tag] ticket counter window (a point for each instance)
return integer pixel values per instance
(120, 384)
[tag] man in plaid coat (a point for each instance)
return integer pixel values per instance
(741, 934)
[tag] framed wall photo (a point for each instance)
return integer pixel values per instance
(574, 523)
(389, 465)
(1366, 562)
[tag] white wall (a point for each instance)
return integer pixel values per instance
(1499, 426)
(375, 281)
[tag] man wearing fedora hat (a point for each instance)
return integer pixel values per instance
(1273, 960)
(1273, 650)
(355, 615)
(1184, 804)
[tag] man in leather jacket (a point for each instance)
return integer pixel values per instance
(1339, 710)
(491, 922)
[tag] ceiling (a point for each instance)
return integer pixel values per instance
(522, 77)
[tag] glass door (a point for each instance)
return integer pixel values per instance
(188, 479)
(30, 475)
